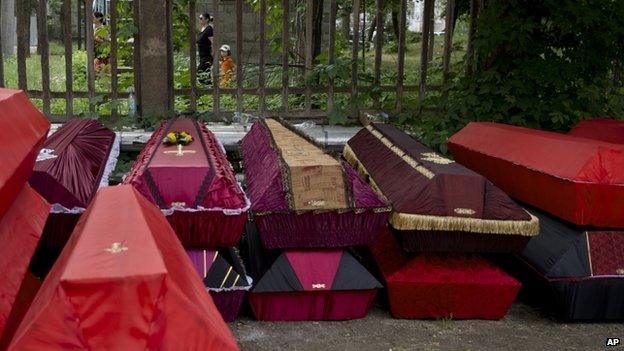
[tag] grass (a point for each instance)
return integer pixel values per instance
(250, 102)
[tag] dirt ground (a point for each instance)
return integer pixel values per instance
(524, 328)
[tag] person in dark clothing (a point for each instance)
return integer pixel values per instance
(204, 46)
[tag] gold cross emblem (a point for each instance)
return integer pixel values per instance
(180, 151)
(435, 158)
(116, 248)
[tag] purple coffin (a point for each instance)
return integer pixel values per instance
(270, 189)
(225, 278)
(74, 163)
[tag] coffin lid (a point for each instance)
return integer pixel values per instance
(72, 163)
(286, 172)
(202, 178)
(123, 273)
(603, 129)
(24, 129)
(429, 191)
(546, 152)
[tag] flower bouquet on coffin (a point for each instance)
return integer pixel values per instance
(181, 139)
(183, 169)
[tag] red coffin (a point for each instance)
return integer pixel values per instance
(20, 231)
(24, 129)
(196, 189)
(123, 282)
(443, 285)
(576, 179)
(603, 129)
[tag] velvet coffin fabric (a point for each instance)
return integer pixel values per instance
(224, 276)
(302, 197)
(602, 129)
(579, 271)
(304, 285)
(576, 179)
(74, 163)
(309, 284)
(123, 282)
(442, 285)
(196, 188)
(438, 205)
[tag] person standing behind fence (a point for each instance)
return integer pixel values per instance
(101, 39)
(204, 46)
(226, 66)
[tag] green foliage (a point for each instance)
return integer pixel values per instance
(542, 64)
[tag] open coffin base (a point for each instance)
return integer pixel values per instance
(326, 229)
(224, 276)
(457, 286)
(585, 299)
(311, 305)
(454, 241)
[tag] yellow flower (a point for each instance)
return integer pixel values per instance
(171, 137)
(186, 137)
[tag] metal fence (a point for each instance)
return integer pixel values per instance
(194, 92)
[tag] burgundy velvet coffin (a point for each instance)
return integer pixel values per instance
(303, 197)
(602, 129)
(438, 205)
(305, 285)
(225, 278)
(74, 163)
(578, 271)
(576, 179)
(194, 186)
(24, 129)
(442, 285)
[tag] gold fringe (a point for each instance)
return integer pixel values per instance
(407, 221)
(349, 155)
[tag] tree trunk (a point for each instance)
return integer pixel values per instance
(346, 24)
(395, 24)
(317, 32)
(27, 13)
(371, 30)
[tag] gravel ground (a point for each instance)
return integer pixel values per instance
(524, 328)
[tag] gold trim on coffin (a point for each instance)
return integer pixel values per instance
(408, 221)
(407, 158)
